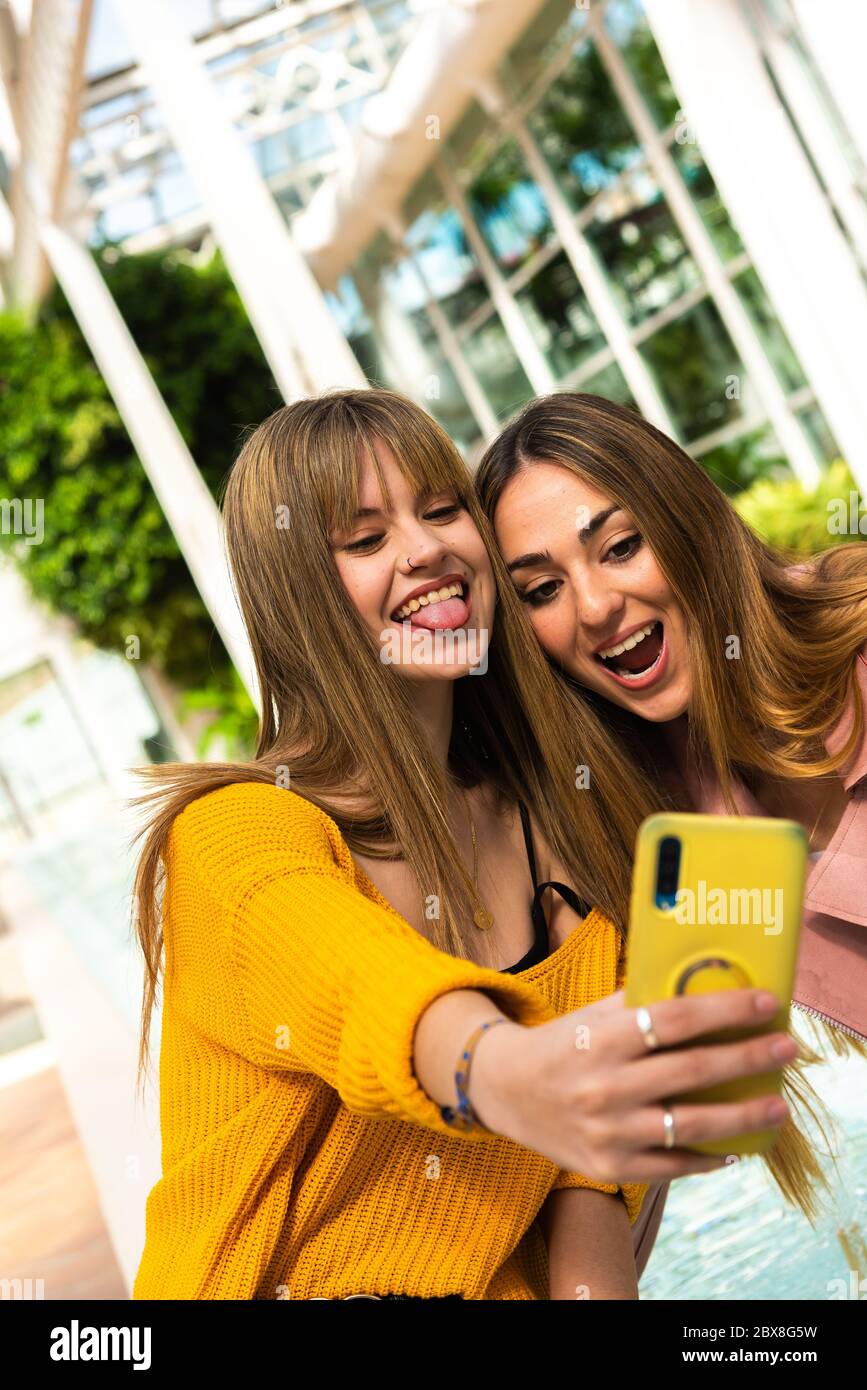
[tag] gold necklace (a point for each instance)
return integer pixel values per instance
(483, 919)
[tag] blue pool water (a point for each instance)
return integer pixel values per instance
(731, 1235)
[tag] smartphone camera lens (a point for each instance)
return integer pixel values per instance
(667, 871)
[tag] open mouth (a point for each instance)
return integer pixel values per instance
(443, 607)
(636, 658)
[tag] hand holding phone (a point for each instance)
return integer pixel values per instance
(717, 904)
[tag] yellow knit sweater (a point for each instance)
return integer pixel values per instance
(300, 1156)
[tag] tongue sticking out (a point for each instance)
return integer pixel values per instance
(640, 656)
(450, 612)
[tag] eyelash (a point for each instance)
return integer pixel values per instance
(366, 542)
(529, 596)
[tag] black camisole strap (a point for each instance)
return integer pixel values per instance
(539, 950)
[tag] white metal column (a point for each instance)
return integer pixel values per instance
(776, 202)
(181, 491)
(836, 35)
(811, 114)
(305, 348)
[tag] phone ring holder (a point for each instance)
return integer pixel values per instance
(733, 979)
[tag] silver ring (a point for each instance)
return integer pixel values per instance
(645, 1023)
(668, 1123)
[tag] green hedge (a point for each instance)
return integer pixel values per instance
(786, 515)
(109, 559)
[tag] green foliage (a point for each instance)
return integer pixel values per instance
(236, 720)
(109, 559)
(787, 516)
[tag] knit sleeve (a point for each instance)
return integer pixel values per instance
(633, 1193)
(277, 955)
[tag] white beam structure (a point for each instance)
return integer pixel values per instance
(774, 199)
(180, 489)
(836, 36)
(304, 347)
(816, 124)
(48, 62)
(433, 82)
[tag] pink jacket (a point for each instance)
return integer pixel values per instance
(831, 977)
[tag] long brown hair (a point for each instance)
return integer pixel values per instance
(337, 721)
(798, 630)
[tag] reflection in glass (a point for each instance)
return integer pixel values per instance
(349, 313)
(582, 129)
(557, 26)
(638, 242)
(559, 316)
(627, 24)
(705, 195)
(438, 242)
(509, 209)
(698, 371)
(610, 383)
(489, 352)
(441, 393)
(815, 427)
(398, 343)
(735, 465)
(770, 330)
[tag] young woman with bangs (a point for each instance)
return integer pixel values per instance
(733, 678)
(386, 941)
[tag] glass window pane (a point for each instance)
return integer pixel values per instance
(582, 129)
(627, 24)
(352, 320)
(698, 371)
(559, 24)
(491, 356)
(383, 303)
(610, 383)
(558, 314)
(815, 427)
(638, 242)
(741, 461)
(769, 330)
(440, 392)
(445, 260)
(705, 195)
(509, 209)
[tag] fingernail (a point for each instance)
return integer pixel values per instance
(777, 1110)
(784, 1049)
(766, 1003)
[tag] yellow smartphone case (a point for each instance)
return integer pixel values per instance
(735, 923)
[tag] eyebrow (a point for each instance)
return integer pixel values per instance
(543, 557)
(422, 496)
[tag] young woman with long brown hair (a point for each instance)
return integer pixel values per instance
(338, 914)
(733, 677)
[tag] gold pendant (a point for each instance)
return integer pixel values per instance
(483, 919)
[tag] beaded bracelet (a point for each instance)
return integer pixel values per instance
(463, 1117)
